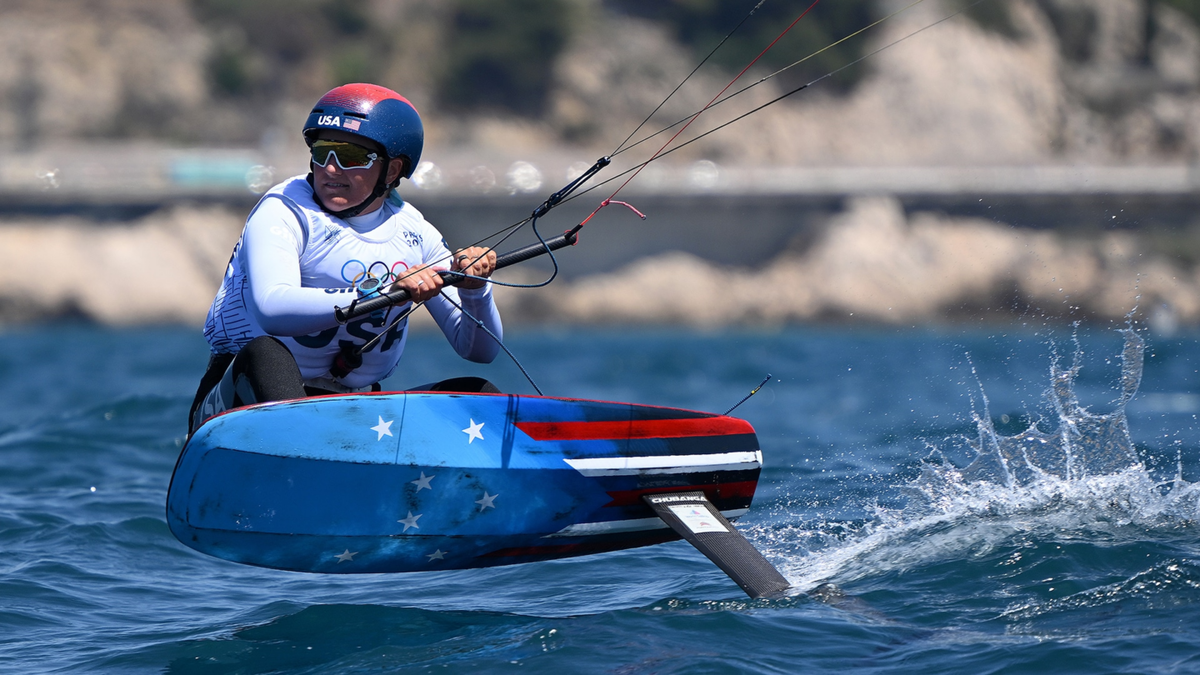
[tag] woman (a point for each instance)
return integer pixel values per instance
(318, 241)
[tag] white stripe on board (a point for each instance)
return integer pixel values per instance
(631, 525)
(635, 466)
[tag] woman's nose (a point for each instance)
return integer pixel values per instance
(331, 166)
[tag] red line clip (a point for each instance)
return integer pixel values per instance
(627, 205)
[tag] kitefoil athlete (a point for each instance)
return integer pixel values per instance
(319, 241)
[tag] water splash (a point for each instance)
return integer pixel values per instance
(1084, 478)
(1085, 444)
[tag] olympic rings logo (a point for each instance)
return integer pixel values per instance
(354, 271)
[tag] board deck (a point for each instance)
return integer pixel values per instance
(410, 481)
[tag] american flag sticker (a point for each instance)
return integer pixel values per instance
(352, 125)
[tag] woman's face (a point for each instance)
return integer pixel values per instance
(340, 188)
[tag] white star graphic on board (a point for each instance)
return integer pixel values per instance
(383, 428)
(437, 555)
(486, 502)
(345, 555)
(422, 483)
(410, 521)
(474, 431)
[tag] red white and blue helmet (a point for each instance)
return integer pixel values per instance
(374, 112)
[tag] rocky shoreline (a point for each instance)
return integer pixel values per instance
(871, 264)
(874, 264)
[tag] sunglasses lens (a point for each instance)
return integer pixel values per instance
(347, 155)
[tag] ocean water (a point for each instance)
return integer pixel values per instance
(998, 499)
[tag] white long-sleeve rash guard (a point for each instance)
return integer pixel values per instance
(285, 280)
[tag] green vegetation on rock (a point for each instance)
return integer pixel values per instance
(700, 24)
(258, 42)
(1189, 7)
(500, 56)
(493, 56)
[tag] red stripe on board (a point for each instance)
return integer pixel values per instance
(743, 489)
(595, 431)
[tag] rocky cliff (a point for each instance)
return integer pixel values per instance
(1060, 80)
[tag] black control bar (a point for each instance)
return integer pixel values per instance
(385, 300)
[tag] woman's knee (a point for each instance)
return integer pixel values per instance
(265, 370)
(265, 347)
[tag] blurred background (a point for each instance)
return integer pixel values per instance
(1022, 158)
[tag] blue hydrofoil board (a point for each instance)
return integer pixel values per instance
(409, 481)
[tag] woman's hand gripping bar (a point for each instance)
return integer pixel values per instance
(384, 300)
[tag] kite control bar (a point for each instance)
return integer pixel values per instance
(384, 300)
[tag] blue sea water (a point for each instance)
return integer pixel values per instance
(900, 466)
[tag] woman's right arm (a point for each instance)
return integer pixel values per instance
(270, 254)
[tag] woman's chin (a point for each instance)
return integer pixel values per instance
(334, 202)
